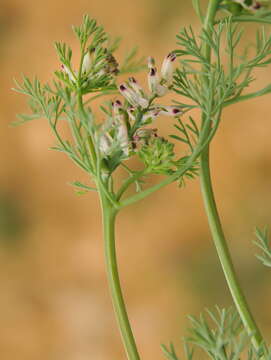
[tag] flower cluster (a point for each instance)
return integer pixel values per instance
(95, 64)
(158, 85)
(126, 130)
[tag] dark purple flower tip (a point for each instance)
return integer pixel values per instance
(118, 102)
(176, 111)
(152, 72)
(257, 6)
(122, 87)
(172, 56)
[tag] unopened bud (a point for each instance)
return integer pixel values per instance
(105, 144)
(133, 97)
(171, 111)
(150, 62)
(68, 72)
(86, 66)
(167, 67)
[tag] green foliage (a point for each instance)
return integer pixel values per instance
(221, 336)
(225, 80)
(158, 156)
(131, 64)
(263, 242)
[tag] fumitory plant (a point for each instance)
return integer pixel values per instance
(207, 72)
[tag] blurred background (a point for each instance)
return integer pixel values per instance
(54, 302)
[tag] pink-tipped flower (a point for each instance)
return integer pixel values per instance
(167, 68)
(150, 116)
(117, 106)
(68, 72)
(142, 136)
(132, 97)
(254, 6)
(171, 110)
(153, 79)
(136, 87)
(86, 65)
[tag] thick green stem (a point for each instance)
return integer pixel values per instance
(215, 224)
(109, 218)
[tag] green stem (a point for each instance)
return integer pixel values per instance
(215, 224)
(224, 253)
(109, 218)
(132, 179)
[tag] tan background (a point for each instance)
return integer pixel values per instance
(54, 303)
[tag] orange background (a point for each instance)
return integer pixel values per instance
(54, 302)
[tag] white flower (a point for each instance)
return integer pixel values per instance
(105, 144)
(133, 97)
(86, 65)
(154, 83)
(136, 87)
(131, 113)
(68, 72)
(122, 131)
(150, 116)
(167, 68)
(255, 5)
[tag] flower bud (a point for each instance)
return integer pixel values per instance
(133, 98)
(153, 79)
(105, 144)
(122, 136)
(170, 111)
(86, 65)
(150, 62)
(167, 67)
(68, 72)
(143, 135)
(131, 113)
(117, 106)
(135, 86)
(154, 83)
(150, 116)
